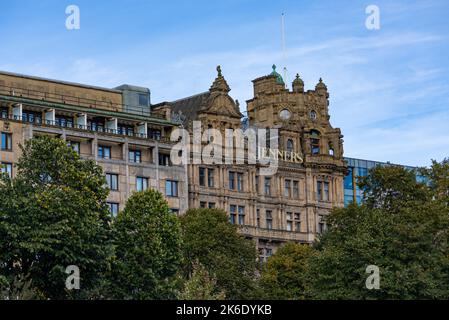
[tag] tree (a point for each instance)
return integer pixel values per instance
(201, 286)
(401, 228)
(227, 256)
(53, 214)
(284, 276)
(438, 177)
(147, 249)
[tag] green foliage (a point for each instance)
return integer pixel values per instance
(401, 228)
(391, 187)
(438, 177)
(147, 249)
(53, 214)
(211, 240)
(201, 286)
(284, 276)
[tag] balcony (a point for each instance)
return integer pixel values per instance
(88, 128)
(273, 234)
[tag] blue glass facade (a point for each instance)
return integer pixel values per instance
(360, 168)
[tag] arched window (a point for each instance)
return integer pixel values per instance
(315, 141)
(312, 115)
(290, 145)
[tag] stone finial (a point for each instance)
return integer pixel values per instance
(219, 84)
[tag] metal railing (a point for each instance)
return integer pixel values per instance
(52, 123)
(78, 101)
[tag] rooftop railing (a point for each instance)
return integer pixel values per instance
(91, 128)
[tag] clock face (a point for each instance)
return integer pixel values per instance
(312, 115)
(285, 114)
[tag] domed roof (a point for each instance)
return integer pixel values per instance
(277, 75)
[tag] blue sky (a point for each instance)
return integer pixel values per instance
(389, 88)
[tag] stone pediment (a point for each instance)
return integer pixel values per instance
(222, 104)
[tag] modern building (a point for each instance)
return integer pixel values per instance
(114, 127)
(289, 205)
(360, 168)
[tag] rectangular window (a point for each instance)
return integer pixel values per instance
(6, 168)
(154, 134)
(104, 152)
(240, 181)
(113, 208)
(31, 117)
(75, 145)
(64, 121)
(203, 204)
(267, 186)
(211, 205)
(258, 218)
(321, 226)
(141, 183)
(289, 221)
(297, 220)
(112, 181)
(296, 189)
(125, 130)
(6, 141)
(95, 126)
(319, 192)
(257, 184)
(326, 191)
(135, 156)
(232, 213)
(241, 215)
(174, 211)
(231, 180)
(4, 113)
(171, 188)
(143, 99)
(287, 189)
(210, 178)
(164, 159)
(269, 219)
(268, 252)
(202, 176)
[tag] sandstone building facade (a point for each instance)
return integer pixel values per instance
(129, 137)
(291, 204)
(115, 127)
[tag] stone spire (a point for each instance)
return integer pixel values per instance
(219, 84)
(298, 84)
